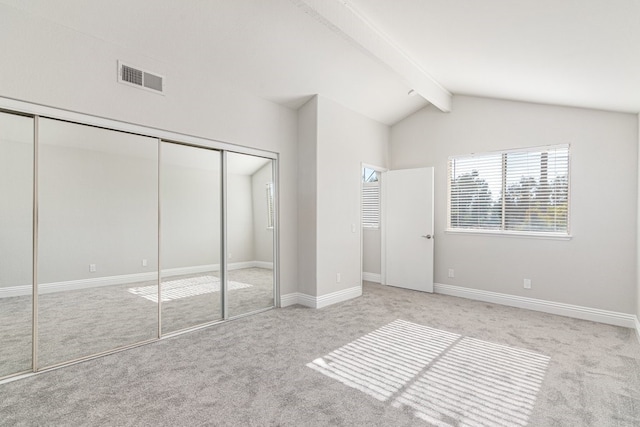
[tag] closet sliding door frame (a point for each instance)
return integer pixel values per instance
(276, 235)
(224, 238)
(31, 365)
(221, 246)
(37, 111)
(34, 255)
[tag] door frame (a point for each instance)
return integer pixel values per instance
(382, 171)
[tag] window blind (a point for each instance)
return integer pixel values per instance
(371, 204)
(523, 191)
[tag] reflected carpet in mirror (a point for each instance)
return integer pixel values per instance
(182, 288)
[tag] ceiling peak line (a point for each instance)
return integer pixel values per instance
(343, 19)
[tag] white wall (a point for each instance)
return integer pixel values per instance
(308, 196)
(59, 67)
(345, 140)
(371, 250)
(190, 206)
(95, 208)
(333, 142)
(16, 200)
(239, 218)
(597, 267)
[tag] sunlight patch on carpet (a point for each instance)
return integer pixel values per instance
(183, 288)
(445, 378)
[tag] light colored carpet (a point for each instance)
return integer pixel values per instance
(254, 371)
(446, 379)
(184, 288)
(78, 323)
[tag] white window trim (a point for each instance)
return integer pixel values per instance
(270, 206)
(511, 233)
(508, 233)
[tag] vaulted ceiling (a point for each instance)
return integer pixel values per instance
(368, 54)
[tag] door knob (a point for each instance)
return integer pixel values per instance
(428, 236)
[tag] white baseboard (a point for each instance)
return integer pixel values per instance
(263, 264)
(637, 321)
(297, 298)
(339, 296)
(46, 288)
(321, 301)
(372, 277)
(575, 311)
(170, 272)
(289, 299)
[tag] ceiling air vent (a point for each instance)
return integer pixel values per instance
(140, 78)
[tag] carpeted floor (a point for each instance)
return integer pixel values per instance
(392, 357)
(74, 324)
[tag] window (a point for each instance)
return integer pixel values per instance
(370, 198)
(513, 192)
(270, 215)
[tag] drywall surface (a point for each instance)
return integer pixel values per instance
(59, 67)
(95, 208)
(262, 234)
(190, 209)
(345, 140)
(596, 267)
(16, 200)
(239, 219)
(371, 251)
(307, 196)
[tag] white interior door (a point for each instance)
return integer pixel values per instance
(408, 226)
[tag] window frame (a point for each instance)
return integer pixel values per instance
(270, 206)
(502, 231)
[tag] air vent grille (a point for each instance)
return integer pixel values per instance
(152, 81)
(140, 78)
(131, 75)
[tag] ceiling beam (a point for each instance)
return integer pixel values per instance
(343, 19)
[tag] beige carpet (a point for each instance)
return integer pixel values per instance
(431, 359)
(78, 323)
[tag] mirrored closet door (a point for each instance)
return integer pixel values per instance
(16, 243)
(97, 240)
(250, 233)
(190, 200)
(110, 239)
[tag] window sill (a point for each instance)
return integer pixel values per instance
(522, 234)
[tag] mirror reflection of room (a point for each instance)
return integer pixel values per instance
(250, 227)
(190, 200)
(97, 238)
(190, 235)
(16, 267)
(112, 209)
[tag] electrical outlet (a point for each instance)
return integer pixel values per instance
(452, 273)
(338, 278)
(144, 262)
(92, 268)
(527, 283)
(229, 255)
